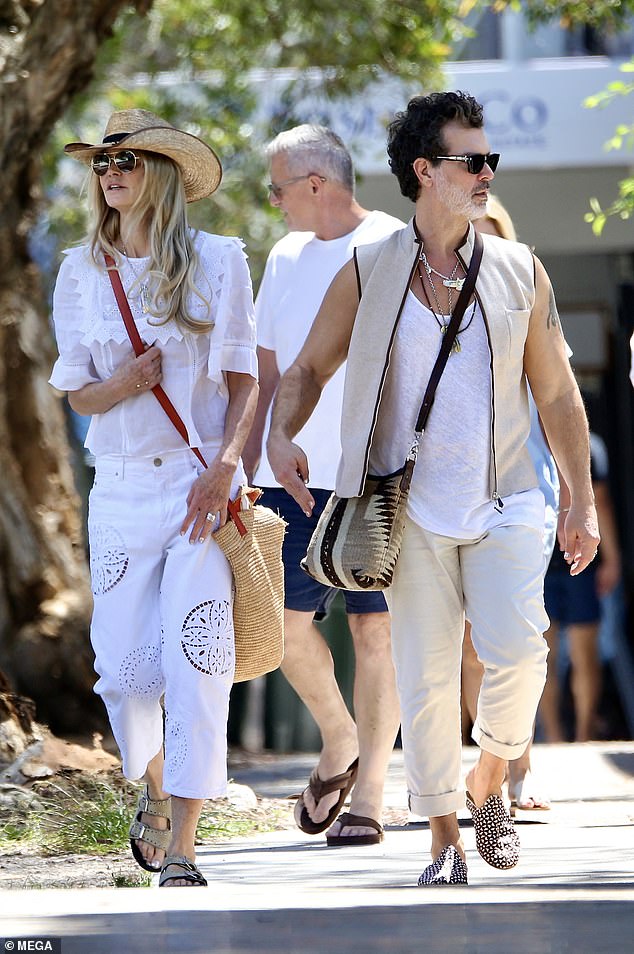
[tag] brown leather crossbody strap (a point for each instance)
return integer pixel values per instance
(443, 354)
(452, 331)
(139, 349)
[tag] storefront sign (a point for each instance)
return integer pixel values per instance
(534, 112)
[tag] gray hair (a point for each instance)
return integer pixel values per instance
(311, 148)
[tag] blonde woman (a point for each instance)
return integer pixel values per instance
(162, 627)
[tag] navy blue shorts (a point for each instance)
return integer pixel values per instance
(302, 593)
(571, 599)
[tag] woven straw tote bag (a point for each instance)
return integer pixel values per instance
(251, 540)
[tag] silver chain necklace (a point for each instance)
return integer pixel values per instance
(449, 281)
(440, 318)
(444, 324)
(144, 292)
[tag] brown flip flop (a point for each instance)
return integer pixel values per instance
(347, 820)
(319, 788)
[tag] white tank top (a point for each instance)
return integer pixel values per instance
(449, 493)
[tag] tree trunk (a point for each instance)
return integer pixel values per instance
(47, 52)
(17, 729)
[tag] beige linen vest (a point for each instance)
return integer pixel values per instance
(505, 289)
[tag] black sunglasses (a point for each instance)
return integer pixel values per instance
(125, 161)
(476, 161)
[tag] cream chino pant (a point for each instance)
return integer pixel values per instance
(162, 626)
(497, 581)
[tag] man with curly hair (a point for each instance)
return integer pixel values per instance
(473, 536)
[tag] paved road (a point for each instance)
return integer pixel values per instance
(572, 891)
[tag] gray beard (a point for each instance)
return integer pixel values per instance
(459, 202)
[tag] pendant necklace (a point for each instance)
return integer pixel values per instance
(442, 324)
(449, 281)
(144, 294)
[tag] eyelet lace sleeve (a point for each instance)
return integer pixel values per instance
(74, 368)
(233, 340)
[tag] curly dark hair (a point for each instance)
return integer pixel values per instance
(419, 132)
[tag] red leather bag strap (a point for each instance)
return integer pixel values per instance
(234, 508)
(139, 349)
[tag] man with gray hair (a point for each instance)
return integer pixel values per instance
(312, 183)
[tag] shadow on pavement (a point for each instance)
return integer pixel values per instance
(440, 928)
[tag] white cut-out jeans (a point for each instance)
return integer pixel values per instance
(162, 622)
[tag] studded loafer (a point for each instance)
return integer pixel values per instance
(497, 841)
(448, 868)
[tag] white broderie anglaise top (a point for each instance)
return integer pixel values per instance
(92, 342)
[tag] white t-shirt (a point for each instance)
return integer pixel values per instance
(449, 494)
(298, 272)
(92, 342)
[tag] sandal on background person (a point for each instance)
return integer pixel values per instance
(524, 795)
(157, 837)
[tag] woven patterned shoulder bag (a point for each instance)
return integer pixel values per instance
(357, 540)
(251, 539)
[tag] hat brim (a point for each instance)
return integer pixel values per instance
(198, 163)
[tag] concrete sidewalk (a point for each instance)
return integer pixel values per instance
(572, 890)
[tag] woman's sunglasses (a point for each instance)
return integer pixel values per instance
(476, 161)
(125, 161)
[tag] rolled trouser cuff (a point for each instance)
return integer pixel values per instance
(503, 750)
(433, 805)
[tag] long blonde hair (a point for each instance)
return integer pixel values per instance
(500, 219)
(160, 209)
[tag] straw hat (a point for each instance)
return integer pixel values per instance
(140, 129)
